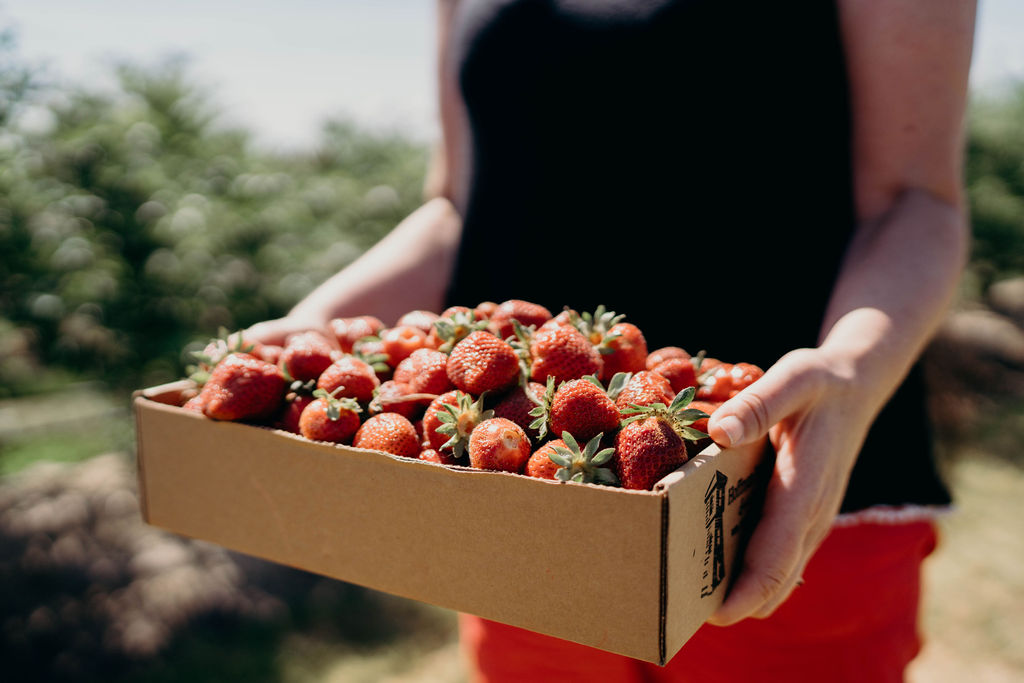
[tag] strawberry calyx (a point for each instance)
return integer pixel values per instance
(678, 414)
(217, 349)
(584, 466)
(456, 327)
(335, 404)
(376, 360)
(597, 326)
(616, 384)
(459, 420)
(542, 411)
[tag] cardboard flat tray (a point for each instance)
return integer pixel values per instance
(631, 572)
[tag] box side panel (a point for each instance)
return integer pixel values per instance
(712, 506)
(578, 562)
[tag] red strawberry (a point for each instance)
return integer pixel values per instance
(663, 354)
(431, 455)
(195, 404)
(243, 388)
(388, 432)
(482, 362)
(726, 380)
(645, 388)
(498, 444)
(328, 418)
(516, 406)
(623, 349)
(583, 408)
(399, 342)
(218, 349)
(355, 376)
(423, 320)
(561, 352)
(432, 418)
(348, 331)
(425, 371)
(306, 355)
(540, 465)
(679, 372)
(652, 442)
(484, 310)
(458, 421)
(525, 312)
(295, 403)
(708, 407)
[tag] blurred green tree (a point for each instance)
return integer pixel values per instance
(995, 184)
(132, 223)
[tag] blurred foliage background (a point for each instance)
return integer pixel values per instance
(134, 224)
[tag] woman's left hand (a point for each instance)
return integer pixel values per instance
(808, 405)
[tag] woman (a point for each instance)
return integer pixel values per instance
(773, 182)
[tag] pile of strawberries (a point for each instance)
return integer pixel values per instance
(500, 386)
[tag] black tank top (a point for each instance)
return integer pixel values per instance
(686, 163)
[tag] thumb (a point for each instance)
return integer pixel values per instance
(749, 415)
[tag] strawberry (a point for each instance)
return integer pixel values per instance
(431, 455)
(561, 352)
(498, 444)
(484, 310)
(623, 349)
(679, 372)
(540, 465)
(517, 404)
(347, 331)
(584, 467)
(423, 320)
(457, 422)
(663, 354)
(294, 404)
(652, 440)
(425, 371)
(243, 388)
(525, 312)
(726, 380)
(581, 407)
(328, 418)
(399, 342)
(306, 355)
(708, 407)
(482, 362)
(645, 388)
(432, 419)
(388, 432)
(195, 404)
(354, 377)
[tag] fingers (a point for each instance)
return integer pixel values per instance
(787, 386)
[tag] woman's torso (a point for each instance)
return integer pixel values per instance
(686, 163)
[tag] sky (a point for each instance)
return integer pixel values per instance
(280, 69)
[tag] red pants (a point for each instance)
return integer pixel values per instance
(854, 619)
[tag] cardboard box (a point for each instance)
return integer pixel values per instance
(632, 572)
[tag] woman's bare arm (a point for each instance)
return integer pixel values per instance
(908, 62)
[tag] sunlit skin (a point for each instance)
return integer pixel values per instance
(908, 62)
